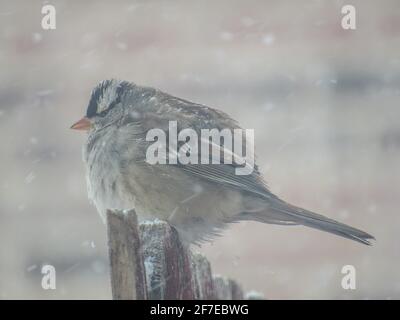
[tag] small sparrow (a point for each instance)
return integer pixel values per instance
(198, 200)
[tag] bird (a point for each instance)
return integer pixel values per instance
(198, 200)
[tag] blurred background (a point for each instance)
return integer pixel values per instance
(323, 101)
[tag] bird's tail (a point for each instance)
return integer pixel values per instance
(286, 213)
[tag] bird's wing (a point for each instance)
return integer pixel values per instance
(159, 108)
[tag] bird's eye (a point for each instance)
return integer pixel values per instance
(103, 113)
(112, 105)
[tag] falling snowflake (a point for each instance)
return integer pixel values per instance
(30, 177)
(268, 39)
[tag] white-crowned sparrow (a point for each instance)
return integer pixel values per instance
(197, 199)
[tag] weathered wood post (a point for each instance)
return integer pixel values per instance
(128, 280)
(167, 262)
(227, 289)
(204, 283)
(148, 261)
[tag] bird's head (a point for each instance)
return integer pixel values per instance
(105, 105)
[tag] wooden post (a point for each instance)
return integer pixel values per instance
(148, 261)
(167, 262)
(128, 281)
(204, 284)
(227, 289)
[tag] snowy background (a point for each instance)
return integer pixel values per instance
(324, 103)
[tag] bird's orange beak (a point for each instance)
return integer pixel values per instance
(83, 124)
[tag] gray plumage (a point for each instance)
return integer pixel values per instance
(197, 199)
